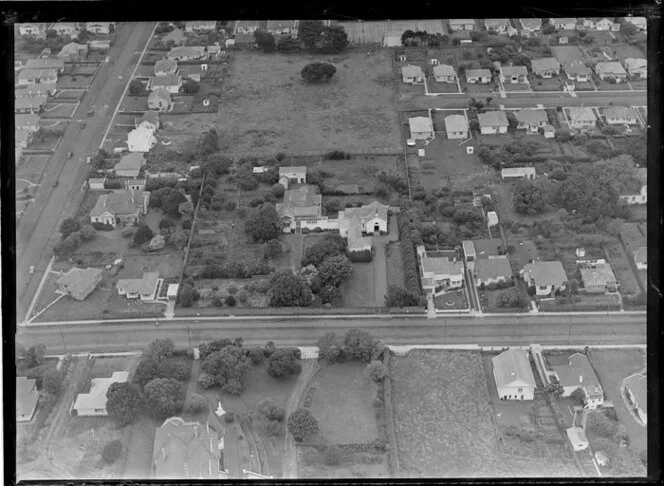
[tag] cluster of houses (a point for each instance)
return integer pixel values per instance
(100, 31)
(531, 26)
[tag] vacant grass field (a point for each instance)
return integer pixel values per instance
(32, 168)
(69, 81)
(134, 103)
(542, 84)
(268, 108)
(394, 264)
(357, 170)
(209, 287)
(358, 291)
(311, 464)
(179, 129)
(620, 263)
(567, 54)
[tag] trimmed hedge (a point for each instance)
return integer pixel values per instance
(360, 256)
(407, 230)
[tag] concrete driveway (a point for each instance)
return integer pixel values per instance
(380, 260)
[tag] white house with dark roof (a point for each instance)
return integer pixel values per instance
(492, 270)
(421, 127)
(186, 53)
(144, 288)
(373, 218)
(518, 173)
(513, 375)
(456, 127)
(581, 118)
(620, 115)
(563, 23)
(606, 24)
(282, 27)
(141, 139)
(481, 76)
(301, 204)
(611, 70)
(576, 70)
(120, 207)
(514, 74)
(27, 76)
(636, 391)
(439, 272)
(444, 73)
(531, 120)
(96, 183)
(598, 279)
(493, 122)
(546, 277)
(68, 29)
(170, 83)
(93, 403)
(636, 66)
(79, 282)
(546, 67)
(412, 74)
(577, 372)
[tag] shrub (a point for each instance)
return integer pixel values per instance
(230, 301)
(578, 396)
(256, 356)
(377, 371)
(197, 404)
(269, 349)
(302, 424)
(217, 300)
(243, 297)
(283, 363)
(128, 232)
(229, 417)
(112, 451)
(274, 428)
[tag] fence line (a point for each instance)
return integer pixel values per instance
(354, 151)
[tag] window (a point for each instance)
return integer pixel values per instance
(520, 390)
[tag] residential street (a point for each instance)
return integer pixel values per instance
(492, 330)
(38, 228)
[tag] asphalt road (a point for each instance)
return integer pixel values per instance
(544, 330)
(37, 230)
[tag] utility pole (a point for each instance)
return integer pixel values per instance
(64, 343)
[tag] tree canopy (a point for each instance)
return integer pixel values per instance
(288, 290)
(359, 344)
(330, 245)
(228, 366)
(265, 40)
(162, 396)
(123, 402)
(262, 224)
(283, 364)
(529, 197)
(302, 424)
(318, 72)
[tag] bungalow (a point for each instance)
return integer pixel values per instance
(637, 393)
(474, 76)
(292, 175)
(30, 105)
(513, 375)
(98, 27)
(245, 27)
(579, 373)
(456, 127)
(150, 120)
(444, 73)
(514, 74)
(303, 203)
(640, 196)
(531, 25)
(194, 71)
(97, 184)
(130, 165)
(141, 139)
(577, 437)
(606, 24)
(171, 84)
(493, 122)
(28, 76)
(48, 63)
(577, 71)
(638, 22)
(135, 184)
(531, 120)
(27, 122)
(186, 53)
(176, 36)
(485, 249)
(28, 91)
(412, 74)
(498, 25)
(461, 24)
(93, 404)
(439, 272)
(620, 115)
(357, 242)
(282, 27)
(611, 70)
(160, 100)
(27, 398)
(144, 288)
(581, 118)
(636, 66)
(563, 23)
(120, 207)
(79, 282)
(547, 67)
(200, 26)
(165, 67)
(372, 218)
(546, 277)
(32, 30)
(641, 258)
(492, 270)
(518, 173)
(68, 29)
(598, 279)
(73, 52)
(421, 127)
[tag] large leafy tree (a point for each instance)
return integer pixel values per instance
(206, 349)
(262, 224)
(69, 226)
(143, 234)
(334, 270)
(329, 347)
(309, 33)
(123, 402)
(398, 297)
(265, 40)
(162, 396)
(283, 364)
(302, 424)
(318, 72)
(334, 39)
(330, 245)
(208, 143)
(35, 355)
(529, 197)
(288, 290)
(160, 349)
(359, 344)
(228, 366)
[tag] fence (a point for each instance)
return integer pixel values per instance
(355, 151)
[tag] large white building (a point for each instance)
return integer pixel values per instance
(513, 375)
(94, 403)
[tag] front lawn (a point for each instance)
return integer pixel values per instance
(546, 84)
(359, 289)
(454, 300)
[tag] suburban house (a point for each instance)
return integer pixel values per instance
(144, 288)
(186, 53)
(546, 67)
(492, 270)
(444, 73)
(638, 22)
(606, 24)
(474, 76)
(636, 66)
(32, 30)
(165, 67)
(611, 70)
(135, 184)
(29, 76)
(461, 24)
(246, 26)
(372, 218)
(456, 127)
(421, 127)
(493, 122)
(130, 165)
(581, 118)
(141, 139)
(598, 279)
(282, 27)
(531, 120)
(518, 173)
(150, 120)
(28, 122)
(194, 71)
(412, 74)
(171, 84)
(637, 392)
(620, 115)
(200, 26)
(34, 104)
(160, 100)
(189, 450)
(499, 25)
(48, 63)
(579, 373)
(641, 258)
(120, 207)
(577, 71)
(513, 375)
(439, 273)
(563, 23)
(177, 36)
(27, 397)
(357, 242)
(514, 74)
(640, 196)
(546, 277)
(98, 27)
(65, 28)
(97, 183)
(73, 52)
(301, 204)
(292, 175)
(79, 282)
(577, 437)
(28, 91)
(531, 25)
(485, 249)
(94, 403)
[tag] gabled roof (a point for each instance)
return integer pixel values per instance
(493, 268)
(119, 202)
(456, 123)
(175, 35)
(165, 80)
(611, 67)
(495, 118)
(600, 275)
(26, 398)
(80, 280)
(420, 124)
(478, 73)
(134, 160)
(149, 116)
(577, 367)
(34, 89)
(411, 71)
(581, 114)
(514, 70)
(546, 273)
(187, 51)
(461, 21)
(576, 67)
(96, 398)
(443, 70)
(512, 367)
(45, 64)
(293, 169)
(72, 48)
(165, 65)
(367, 212)
(620, 112)
(517, 171)
(635, 63)
(32, 102)
(494, 23)
(638, 387)
(545, 64)
(159, 93)
(37, 73)
(531, 24)
(529, 115)
(561, 21)
(143, 285)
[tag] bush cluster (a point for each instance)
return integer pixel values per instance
(410, 237)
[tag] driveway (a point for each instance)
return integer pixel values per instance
(380, 260)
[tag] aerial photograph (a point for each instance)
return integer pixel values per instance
(280, 249)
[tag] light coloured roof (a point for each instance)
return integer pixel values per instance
(512, 367)
(442, 266)
(144, 285)
(514, 70)
(37, 73)
(186, 51)
(576, 67)
(577, 436)
(366, 212)
(443, 70)
(461, 21)
(420, 124)
(492, 23)
(79, 280)
(531, 23)
(581, 114)
(293, 169)
(456, 123)
(478, 73)
(600, 275)
(32, 102)
(96, 180)
(159, 93)
(546, 273)
(577, 367)
(96, 398)
(72, 48)
(493, 268)
(517, 171)
(166, 80)
(411, 71)
(545, 64)
(495, 118)
(26, 396)
(165, 65)
(611, 67)
(45, 64)
(468, 247)
(641, 255)
(529, 115)
(561, 21)
(638, 387)
(355, 239)
(632, 63)
(26, 119)
(202, 23)
(620, 112)
(134, 160)
(119, 202)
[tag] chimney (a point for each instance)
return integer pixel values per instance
(580, 378)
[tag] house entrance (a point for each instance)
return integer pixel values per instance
(376, 228)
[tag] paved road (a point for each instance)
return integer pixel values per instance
(545, 330)
(37, 230)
